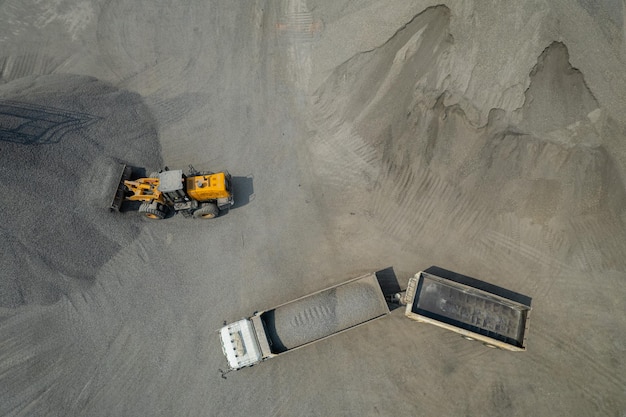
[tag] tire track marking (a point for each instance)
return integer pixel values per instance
(296, 25)
(299, 24)
(413, 202)
(600, 242)
(13, 67)
(514, 247)
(345, 161)
(607, 380)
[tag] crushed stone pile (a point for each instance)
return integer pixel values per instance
(61, 136)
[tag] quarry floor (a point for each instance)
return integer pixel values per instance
(483, 138)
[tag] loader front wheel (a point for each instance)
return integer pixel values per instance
(151, 212)
(206, 211)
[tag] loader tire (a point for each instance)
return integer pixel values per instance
(151, 213)
(206, 211)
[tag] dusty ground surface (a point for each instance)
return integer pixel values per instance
(482, 138)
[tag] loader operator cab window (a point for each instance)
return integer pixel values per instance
(172, 185)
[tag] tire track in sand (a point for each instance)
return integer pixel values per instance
(414, 200)
(592, 377)
(599, 243)
(13, 67)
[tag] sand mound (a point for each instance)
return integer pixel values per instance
(422, 166)
(59, 134)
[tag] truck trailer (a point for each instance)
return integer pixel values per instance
(477, 310)
(303, 321)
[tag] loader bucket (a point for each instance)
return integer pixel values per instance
(118, 198)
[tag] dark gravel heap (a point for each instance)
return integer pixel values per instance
(61, 137)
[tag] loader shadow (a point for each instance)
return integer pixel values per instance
(390, 286)
(243, 190)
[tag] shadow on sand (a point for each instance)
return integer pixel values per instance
(243, 190)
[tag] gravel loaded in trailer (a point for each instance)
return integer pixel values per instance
(303, 321)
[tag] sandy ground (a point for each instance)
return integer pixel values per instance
(482, 138)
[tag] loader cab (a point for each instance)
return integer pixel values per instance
(172, 185)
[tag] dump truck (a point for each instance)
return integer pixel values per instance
(476, 310)
(303, 321)
(202, 195)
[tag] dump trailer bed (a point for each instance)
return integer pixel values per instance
(303, 321)
(322, 314)
(475, 309)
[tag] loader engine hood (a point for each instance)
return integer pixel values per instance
(240, 344)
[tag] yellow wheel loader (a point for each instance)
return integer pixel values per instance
(202, 195)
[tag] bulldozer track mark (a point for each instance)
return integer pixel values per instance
(171, 110)
(279, 406)
(607, 380)
(580, 355)
(301, 26)
(351, 156)
(412, 202)
(537, 271)
(30, 124)
(297, 21)
(598, 243)
(515, 248)
(14, 67)
(118, 368)
(162, 79)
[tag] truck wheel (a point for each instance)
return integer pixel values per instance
(471, 339)
(489, 345)
(150, 212)
(206, 211)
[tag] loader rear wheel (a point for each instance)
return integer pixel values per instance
(151, 212)
(206, 211)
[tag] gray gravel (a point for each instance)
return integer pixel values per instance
(324, 313)
(371, 134)
(62, 135)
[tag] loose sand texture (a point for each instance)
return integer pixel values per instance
(482, 137)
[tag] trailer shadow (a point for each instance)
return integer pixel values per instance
(390, 286)
(481, 285)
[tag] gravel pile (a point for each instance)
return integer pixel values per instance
(324, 313)
(60, 137)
